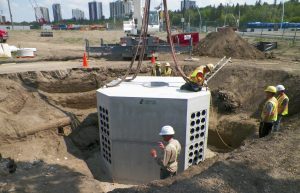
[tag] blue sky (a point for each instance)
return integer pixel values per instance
(23, 11)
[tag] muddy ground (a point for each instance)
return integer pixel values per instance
(33, 103)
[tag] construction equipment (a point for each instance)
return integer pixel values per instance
(128, 45)
(3, 36)
(141, 47)
(265, 46)
(134, 25)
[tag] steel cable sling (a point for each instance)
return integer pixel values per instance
(145, 30)
(141, 37)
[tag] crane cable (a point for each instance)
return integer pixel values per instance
(142, 53)
(177, 67)
(141, 37)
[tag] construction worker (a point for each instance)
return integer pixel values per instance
(269, 112)
(283, 102)
(197, 78)
(156, 71)
(168, 70)
(168, 162)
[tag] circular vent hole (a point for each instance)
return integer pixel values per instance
(192, 138)
(192, 123)
(193, 115)
(192, 130)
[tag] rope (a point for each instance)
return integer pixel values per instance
(141, 58)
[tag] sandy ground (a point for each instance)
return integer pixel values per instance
(34, 94)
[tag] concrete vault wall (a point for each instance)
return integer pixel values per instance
(130, 118)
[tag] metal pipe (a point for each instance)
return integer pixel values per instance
(282, 16)
(200, 24)
(11, 19)
(183, 15)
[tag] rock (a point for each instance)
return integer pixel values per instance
(226, 101)
(7, 166)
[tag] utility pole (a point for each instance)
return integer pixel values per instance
(11, 19)
(200, 22)
(183, 15)
(282, 16)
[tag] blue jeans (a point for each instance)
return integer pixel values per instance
(276, 126)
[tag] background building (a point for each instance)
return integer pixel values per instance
(77, 14)
(56, 12)
(188, 4)
(42, 14)
(95, 10)
(128, 8)
(2, 19)
(117, 9)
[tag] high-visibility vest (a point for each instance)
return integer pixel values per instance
(280, 100)
(273, 116)
(194, 77)
(167, 72)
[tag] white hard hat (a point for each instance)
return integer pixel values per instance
(168, 64)
(280, 87)
(210, 67)
(167, 130)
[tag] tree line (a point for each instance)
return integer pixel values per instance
(223, 14)
(232, 14)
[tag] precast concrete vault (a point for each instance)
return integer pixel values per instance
(131, 116)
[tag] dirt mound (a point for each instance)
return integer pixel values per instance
(227, 43)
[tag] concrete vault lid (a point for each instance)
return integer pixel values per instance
(152, 87)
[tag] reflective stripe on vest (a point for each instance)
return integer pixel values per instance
(273, 115)
(194, 78)
(195, 72)
(282, 109)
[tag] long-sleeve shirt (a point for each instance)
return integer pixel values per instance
(169, 159)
